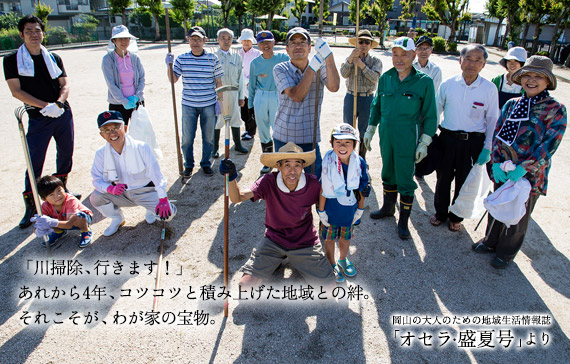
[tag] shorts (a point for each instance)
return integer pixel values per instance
(85, 216)
(334, 232)
(310, 261)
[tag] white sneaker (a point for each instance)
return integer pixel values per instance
(150, 217)
(114, 226)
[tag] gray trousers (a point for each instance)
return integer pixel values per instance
(144, 196)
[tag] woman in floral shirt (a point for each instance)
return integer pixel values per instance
(528, 133)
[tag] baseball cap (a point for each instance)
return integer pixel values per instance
(297, 30)
(345, 131)
(424, 39)
(405, 43)
(108, 117)
(264, 35)
(198, 31)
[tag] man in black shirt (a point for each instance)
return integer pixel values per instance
(36, 77)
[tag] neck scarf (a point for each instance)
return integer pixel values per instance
(521, 112)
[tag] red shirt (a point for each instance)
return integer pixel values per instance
(70, 207)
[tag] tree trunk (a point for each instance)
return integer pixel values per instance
(507, 33)
(537, 31)
(451, 38)
(497, 32)
(156, 28)
(253, 22)
(269, 20)
(239, 25)
(525, 33)
(556, 34)
(185, 25)
(124, 16)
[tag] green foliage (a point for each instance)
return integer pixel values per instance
(410, 8)
(141, 17)
(420, 31)
(451, 47)
(364, 9)
(84, 28)
(10, 39)
(438, 44)
(9, 20)
(42, 11)
(298, 9)
(316, 9)
(542, 53)
(183, 10)
(58, 35)
(448, 12)
(279, 36)
(119, 6)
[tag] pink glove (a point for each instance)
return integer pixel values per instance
(117, 189)
(163, 208)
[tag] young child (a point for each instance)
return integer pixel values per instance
(345, 183)
(61, 212)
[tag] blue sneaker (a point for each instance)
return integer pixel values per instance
(338, 274)
(86, 238)
(53, 237)
(347, 267)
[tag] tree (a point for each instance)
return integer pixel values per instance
(447, 12)
(559, 15)
(226, 6)
(534, 13)
(410, 8)
(364, 9)
(492, 9)
(269, 7)
(85, 26)
(298, 9)
(155, 8)
(254, 7)
(120, 7)
(378, 12)
(183, 10)
(511, 10)
(240, 9)
(42, 11)
(9, 20)
(326, 11)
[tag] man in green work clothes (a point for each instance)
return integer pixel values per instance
(403, 105)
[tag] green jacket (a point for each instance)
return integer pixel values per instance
(411, 101)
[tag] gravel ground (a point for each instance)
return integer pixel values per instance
(98, 316)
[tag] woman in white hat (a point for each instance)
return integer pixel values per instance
(123, 73)
(528, 133)
(247, 54)
(513, 61)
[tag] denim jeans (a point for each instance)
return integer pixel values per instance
(190, 116)
(306, 148)
(363, 104)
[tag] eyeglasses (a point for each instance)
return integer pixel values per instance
(364, 41)
(298, 44)
(424, 49)
(110, 130)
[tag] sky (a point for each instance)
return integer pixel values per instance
(477, 6)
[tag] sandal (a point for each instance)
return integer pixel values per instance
(434, 221)
(454, 226)
(338, 274)
(347, 267)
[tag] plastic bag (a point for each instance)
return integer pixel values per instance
(140, 128)
(507, 203)
(469, 203)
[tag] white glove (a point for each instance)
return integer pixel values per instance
(316, 62)
(169, 59)
(421, 149)
(322, 48)
(368, 136)
(52, 110)
(357, 215)
(324, 217)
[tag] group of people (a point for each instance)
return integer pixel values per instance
(280, 95)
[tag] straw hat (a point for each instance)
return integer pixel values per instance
(537, 64)
(364, 34)
(516, 53)
(288, 151)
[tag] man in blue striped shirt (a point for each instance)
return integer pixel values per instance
(201, 74)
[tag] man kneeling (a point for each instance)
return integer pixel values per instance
(126, 173)
(289, 196)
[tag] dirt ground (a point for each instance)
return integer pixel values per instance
(98, 305)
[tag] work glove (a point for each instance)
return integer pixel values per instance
(316, 62)
(41, 232)
(484, 157)
(218, 108)
(322, 48)
(117, 189)
(323, 217)
(52, 110)
(169, 59)
(357, 216)
(228, 167)
(498, 174)
(163, 208)
(132, 102)
(368, 135)
(517, 174)
(44, 222)
(421, 149)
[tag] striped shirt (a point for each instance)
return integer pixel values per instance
(198, 74)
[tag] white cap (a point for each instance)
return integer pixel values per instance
(247, 34)
(405, 43)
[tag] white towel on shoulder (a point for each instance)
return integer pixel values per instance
(26, 63)
(133, 160)
(332, 178)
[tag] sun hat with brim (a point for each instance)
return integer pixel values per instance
(109, 117)
(121, 31)
(247, 34)
(516, 53)
(537, 64)
(345, 131)
(288, 151)
(405, 43)
(364, 34)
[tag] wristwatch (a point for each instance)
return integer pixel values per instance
(60, 104)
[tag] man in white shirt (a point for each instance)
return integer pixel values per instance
(424, 47)
(470, 111)
(126, 173)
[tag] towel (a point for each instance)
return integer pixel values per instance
(26, 63)
(133, 160)
(332, 178)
